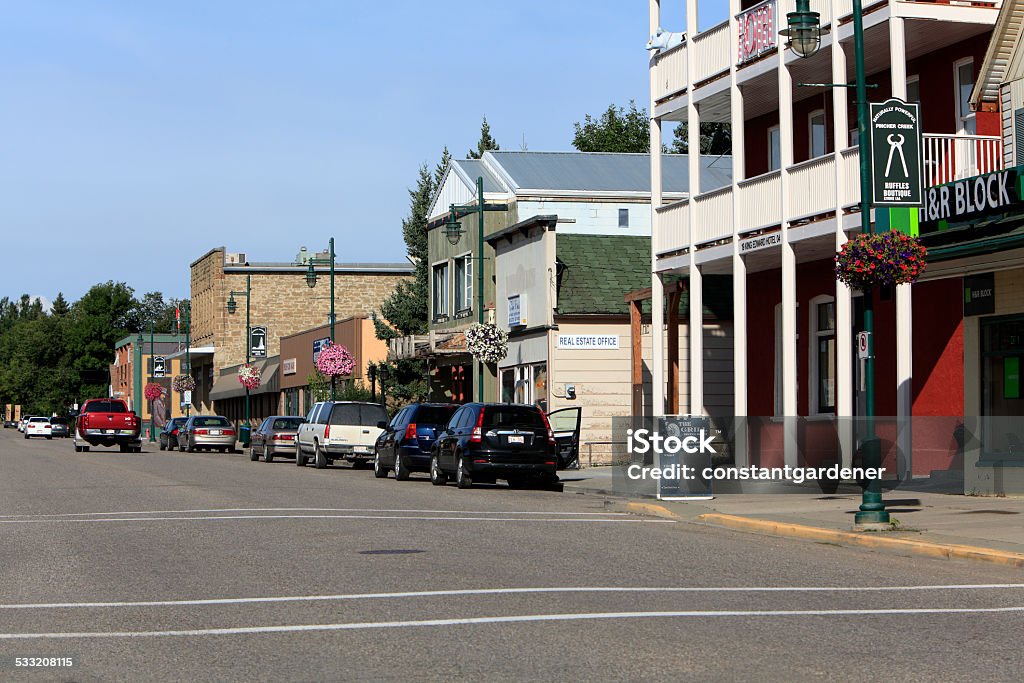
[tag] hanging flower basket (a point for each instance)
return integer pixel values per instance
(249, 376)
(335, 361)
(875, 260)
(487, 343)
(183, 383)
(152, 391)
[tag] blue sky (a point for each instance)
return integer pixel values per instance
(138, 135)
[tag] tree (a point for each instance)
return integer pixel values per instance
(617, 130)
(486, 143)
(715, 138)
(60, 307)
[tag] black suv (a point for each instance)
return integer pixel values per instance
(405, 444)
(169, 434)
(488, 441)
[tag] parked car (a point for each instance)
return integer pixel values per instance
(484, 442)
(275, 436)
(10, 424)
(339, 430)
(207, 432)
(107, 422)
(169, 434)
(59, 427)
(38, 426)
(405, 444)
(21, 423)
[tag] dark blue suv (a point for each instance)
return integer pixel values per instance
(404, 445)
(488, 441)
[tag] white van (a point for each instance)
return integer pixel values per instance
(340, 430)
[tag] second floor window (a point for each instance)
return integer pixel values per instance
(964, 85)
(623, 218)
(463, 283)
(774, 149)
(819, 139)
(440, 290)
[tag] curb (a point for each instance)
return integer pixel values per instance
(651, 509)
(862, 539)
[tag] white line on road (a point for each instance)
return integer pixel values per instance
(529, 520)
(435, 512)
(467, 621)
(512, 591)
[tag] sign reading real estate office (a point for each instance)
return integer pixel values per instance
(896, 153)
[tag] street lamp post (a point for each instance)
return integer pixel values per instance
(152, 371)
(232, 307)
(453, 231)
(188, 358)
(311, 282)
(804, 35)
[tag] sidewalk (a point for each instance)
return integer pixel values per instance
(923, 517)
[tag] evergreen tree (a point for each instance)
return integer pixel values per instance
(60, 306)
(486, 143)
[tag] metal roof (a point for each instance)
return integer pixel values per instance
(471, 169)
(603, 171)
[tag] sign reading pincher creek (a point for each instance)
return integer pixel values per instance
(896, 153)
(756, 31)
(588, 342)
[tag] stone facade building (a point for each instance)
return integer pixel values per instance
(280, 300)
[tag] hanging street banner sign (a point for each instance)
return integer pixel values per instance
(159, 366)
(896, 153)
(258, 341)
(756, 31)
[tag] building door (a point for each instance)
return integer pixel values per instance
(1002, 347)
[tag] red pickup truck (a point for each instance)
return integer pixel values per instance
(107, 422)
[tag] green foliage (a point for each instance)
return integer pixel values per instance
(486, 143)
(43, 355)
(715, 138)
(344, 389)
(617, 130)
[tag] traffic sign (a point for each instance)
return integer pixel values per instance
(863, 345)
(896, 153)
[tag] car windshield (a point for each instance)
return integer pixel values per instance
(105, 407)
(433, 415)
(287, 423)
(362, 414)
(176, 422)
(512, 416)
(212, 422)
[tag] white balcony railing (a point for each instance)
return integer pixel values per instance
(952, 157)
(812, 187)
(759, 202)
(670, 72)
(673, 226)
(712, 50)
(850, 162)
(714, 215)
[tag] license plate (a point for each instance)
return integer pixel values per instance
(517, 439)
(216, 432)
(109, 431)
(361, 449)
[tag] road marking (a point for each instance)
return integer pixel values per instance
(572, 520)
(513, 591)
(469, 621)
(436, 512)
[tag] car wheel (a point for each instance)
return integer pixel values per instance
(401, 471)
(268, 455)
(379, 470)
(48, 438)
(437, 475)
(78, 449)
(26, 435)
(254, 455)
(190, 447)
(462, 478)
(300, 459)
(319, 459)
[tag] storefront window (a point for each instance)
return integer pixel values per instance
(1002, 348)
(824, 334)
(525, 384)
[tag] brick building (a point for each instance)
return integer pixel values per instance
(281, 300)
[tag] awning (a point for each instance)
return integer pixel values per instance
(194, 352)
(227, 385)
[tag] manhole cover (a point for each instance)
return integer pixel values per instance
(991, 512)
(395, 551)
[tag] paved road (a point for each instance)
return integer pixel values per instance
(202, 567)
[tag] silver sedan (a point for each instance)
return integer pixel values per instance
(207, 432)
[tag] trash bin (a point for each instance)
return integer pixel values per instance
(244, 435)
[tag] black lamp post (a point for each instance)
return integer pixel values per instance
(311, 283)
(804, 33)
(232, 307)
(371, 372)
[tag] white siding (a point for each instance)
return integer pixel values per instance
(592, 218)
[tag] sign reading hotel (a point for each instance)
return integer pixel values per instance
(588, 342)
(756, 31)
(896, 153)
(760, 242)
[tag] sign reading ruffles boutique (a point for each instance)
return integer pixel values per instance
(756, 31)
(588, 342)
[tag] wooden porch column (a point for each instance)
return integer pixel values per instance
(675, 295)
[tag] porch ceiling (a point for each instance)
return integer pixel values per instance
(813, 249)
